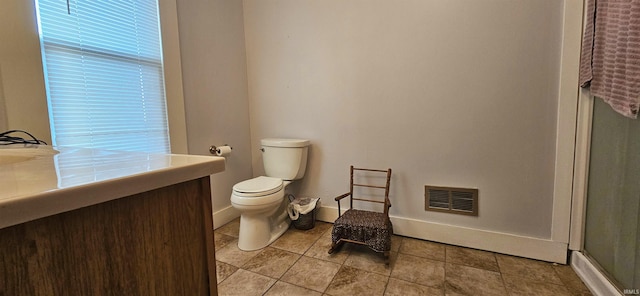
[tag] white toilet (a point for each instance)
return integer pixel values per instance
(261, 200)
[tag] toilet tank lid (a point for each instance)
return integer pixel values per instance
(281, 142)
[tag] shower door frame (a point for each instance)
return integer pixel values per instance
(584, 102)
(589, 271)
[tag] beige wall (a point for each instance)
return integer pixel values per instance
(215, 88)
(23, 99)
(456, 93)
(453, 93)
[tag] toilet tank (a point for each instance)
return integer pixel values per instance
(285, 158)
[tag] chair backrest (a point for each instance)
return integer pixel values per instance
(364, 184)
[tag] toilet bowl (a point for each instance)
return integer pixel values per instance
(261, 200)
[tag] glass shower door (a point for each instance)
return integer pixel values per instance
(613, 199)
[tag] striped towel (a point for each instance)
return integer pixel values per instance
(610, 60)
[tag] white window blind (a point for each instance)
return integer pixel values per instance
(103, 65)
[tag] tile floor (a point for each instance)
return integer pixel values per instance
(298, 264)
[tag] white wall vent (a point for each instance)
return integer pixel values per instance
(462, 201)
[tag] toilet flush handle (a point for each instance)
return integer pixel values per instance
(262, 149)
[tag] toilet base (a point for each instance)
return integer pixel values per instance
(279, 230)
(257, 231)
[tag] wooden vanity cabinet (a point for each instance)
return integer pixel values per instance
(158, 242)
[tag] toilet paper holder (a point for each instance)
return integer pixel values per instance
(216, 150)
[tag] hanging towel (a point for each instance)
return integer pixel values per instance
(610, 59)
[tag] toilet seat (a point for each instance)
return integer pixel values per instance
(256, 187)
(258, 192)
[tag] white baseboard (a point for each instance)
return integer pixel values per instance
(591, 276)
(523, 246)
(224, 216)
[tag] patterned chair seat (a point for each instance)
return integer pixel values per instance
(371, 228)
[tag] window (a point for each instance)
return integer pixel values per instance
(104, 72)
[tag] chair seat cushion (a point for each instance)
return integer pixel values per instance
(374, 229)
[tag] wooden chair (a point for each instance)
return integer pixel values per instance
(370, 228)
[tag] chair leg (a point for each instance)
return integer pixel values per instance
(333, 248)
(336, 246)
(386, 258)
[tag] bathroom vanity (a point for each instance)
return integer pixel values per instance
(95, 222)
